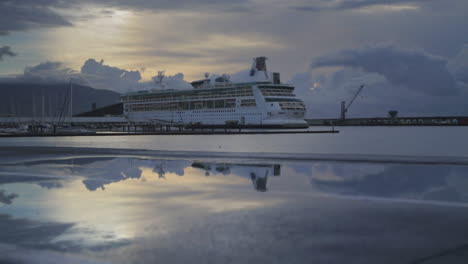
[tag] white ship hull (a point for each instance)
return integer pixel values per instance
(245, 117)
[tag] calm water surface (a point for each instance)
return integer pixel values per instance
(120, 209)
(80, 206)
(415, 141)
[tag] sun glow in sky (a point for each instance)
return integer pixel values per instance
(100, 36)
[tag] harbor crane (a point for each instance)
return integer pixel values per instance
(344, 107)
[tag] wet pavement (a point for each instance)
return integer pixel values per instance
(140, 209)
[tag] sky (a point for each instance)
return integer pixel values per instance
(412, 55)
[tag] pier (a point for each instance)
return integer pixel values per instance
(119, 126)
(393, 121)
(173, 132)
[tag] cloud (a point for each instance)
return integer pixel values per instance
(7, 198)
(6, 51)
(323, 93)
(203, 5)
(20, 15)
(395, 79)
(48, 72)
(102, 76)
(95, 74)
(459, 65)
(27, 14)
(413, 69)
(175, 82)
(355, 4)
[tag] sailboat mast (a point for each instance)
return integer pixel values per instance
(71, 100)
(33, 109)
(43, 106)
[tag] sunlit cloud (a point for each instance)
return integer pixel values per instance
(388, 8)
(127, 40)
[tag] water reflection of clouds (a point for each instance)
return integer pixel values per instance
(26, 232)
(100, 172)
(431, 182)
(413, 181)
(182, 203)
(117, 214)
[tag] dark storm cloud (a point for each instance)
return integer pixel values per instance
(413, 69)
(26, 14)
(6, 51)
(378, 97)
(350, 4)
(392, 82)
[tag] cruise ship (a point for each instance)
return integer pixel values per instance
(261, 102)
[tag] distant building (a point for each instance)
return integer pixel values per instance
(109, 110)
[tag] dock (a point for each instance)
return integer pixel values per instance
(167, 131)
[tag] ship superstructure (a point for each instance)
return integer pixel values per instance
(260, 102)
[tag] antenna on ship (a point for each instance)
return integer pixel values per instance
(158, 80)
(160, 76)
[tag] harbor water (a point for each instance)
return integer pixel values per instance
(364, 195)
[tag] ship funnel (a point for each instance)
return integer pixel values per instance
(259, 64)
(276, 78)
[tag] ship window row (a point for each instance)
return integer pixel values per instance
(276, 92)
(225, 116)
(282, 100)
(231, 92)
(174, 106)
(276, 87)
(292, 106)
(220, 111)
(202, 114)
(214, 111)
(248, 103)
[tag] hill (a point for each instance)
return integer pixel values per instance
(26, 99)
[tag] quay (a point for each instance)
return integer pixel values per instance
(119, 126)
(393, 121)
(171, 132)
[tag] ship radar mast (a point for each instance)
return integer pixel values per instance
(158, 80)
(160, 76)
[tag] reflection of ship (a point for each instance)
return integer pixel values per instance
(99, 172)
(258, 173)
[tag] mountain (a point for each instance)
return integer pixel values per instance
(25, 99)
